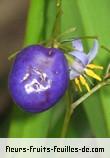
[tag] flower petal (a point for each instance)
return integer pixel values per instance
(83, 57)
(73, 74)
(77, 44)
(93, 52)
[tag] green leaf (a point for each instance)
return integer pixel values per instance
(25, 125)
(49, 19)
(35, 22)
(57, 120)
(95, 19)
(71, 18)
(91, 18)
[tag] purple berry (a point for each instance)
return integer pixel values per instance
(39, 78)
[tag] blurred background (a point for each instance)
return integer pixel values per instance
(92, 118)
(13, 16)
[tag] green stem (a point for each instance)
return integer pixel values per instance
(87, 37)
(73, 106)
(12, 55)
(105, 48)
(80, 37)
(66, 123)
(67, 115)
(57, 24)
(84, 97)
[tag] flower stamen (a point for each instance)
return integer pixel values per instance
(88, 79)
(93, 66)
(92, 74)
(83, 81)
(78, 84)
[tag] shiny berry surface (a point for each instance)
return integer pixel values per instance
(38, 78)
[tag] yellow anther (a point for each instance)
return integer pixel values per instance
(78, 84)
(92, 66)
(83, 81)
(92, 74)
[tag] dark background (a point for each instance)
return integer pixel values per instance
(13, 15)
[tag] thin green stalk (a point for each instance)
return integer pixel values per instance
(105, 48)
(56, 28)
(12, 55)
(67, 115)
(66, 123)
(73, 106)
(84, 97)
(57, 25)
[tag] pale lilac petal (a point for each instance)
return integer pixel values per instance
(83, 57)
(73, 74)
(93, 52)
(77, 44)
(78, 66)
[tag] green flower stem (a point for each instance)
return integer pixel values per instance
(79, 37)
(68, 113)
(57, 24)
(66, 122)
(67, 116)
(12, 55)
(73, 106)
(104, 47)
(71, 30)
(87, 37)
(84, 97)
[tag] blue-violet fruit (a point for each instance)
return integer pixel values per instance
(39, 78)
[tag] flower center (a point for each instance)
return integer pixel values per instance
(87, 72)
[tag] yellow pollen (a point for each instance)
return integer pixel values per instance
(92, 66)
(83, 81)
(78, 84)
(92, 74)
